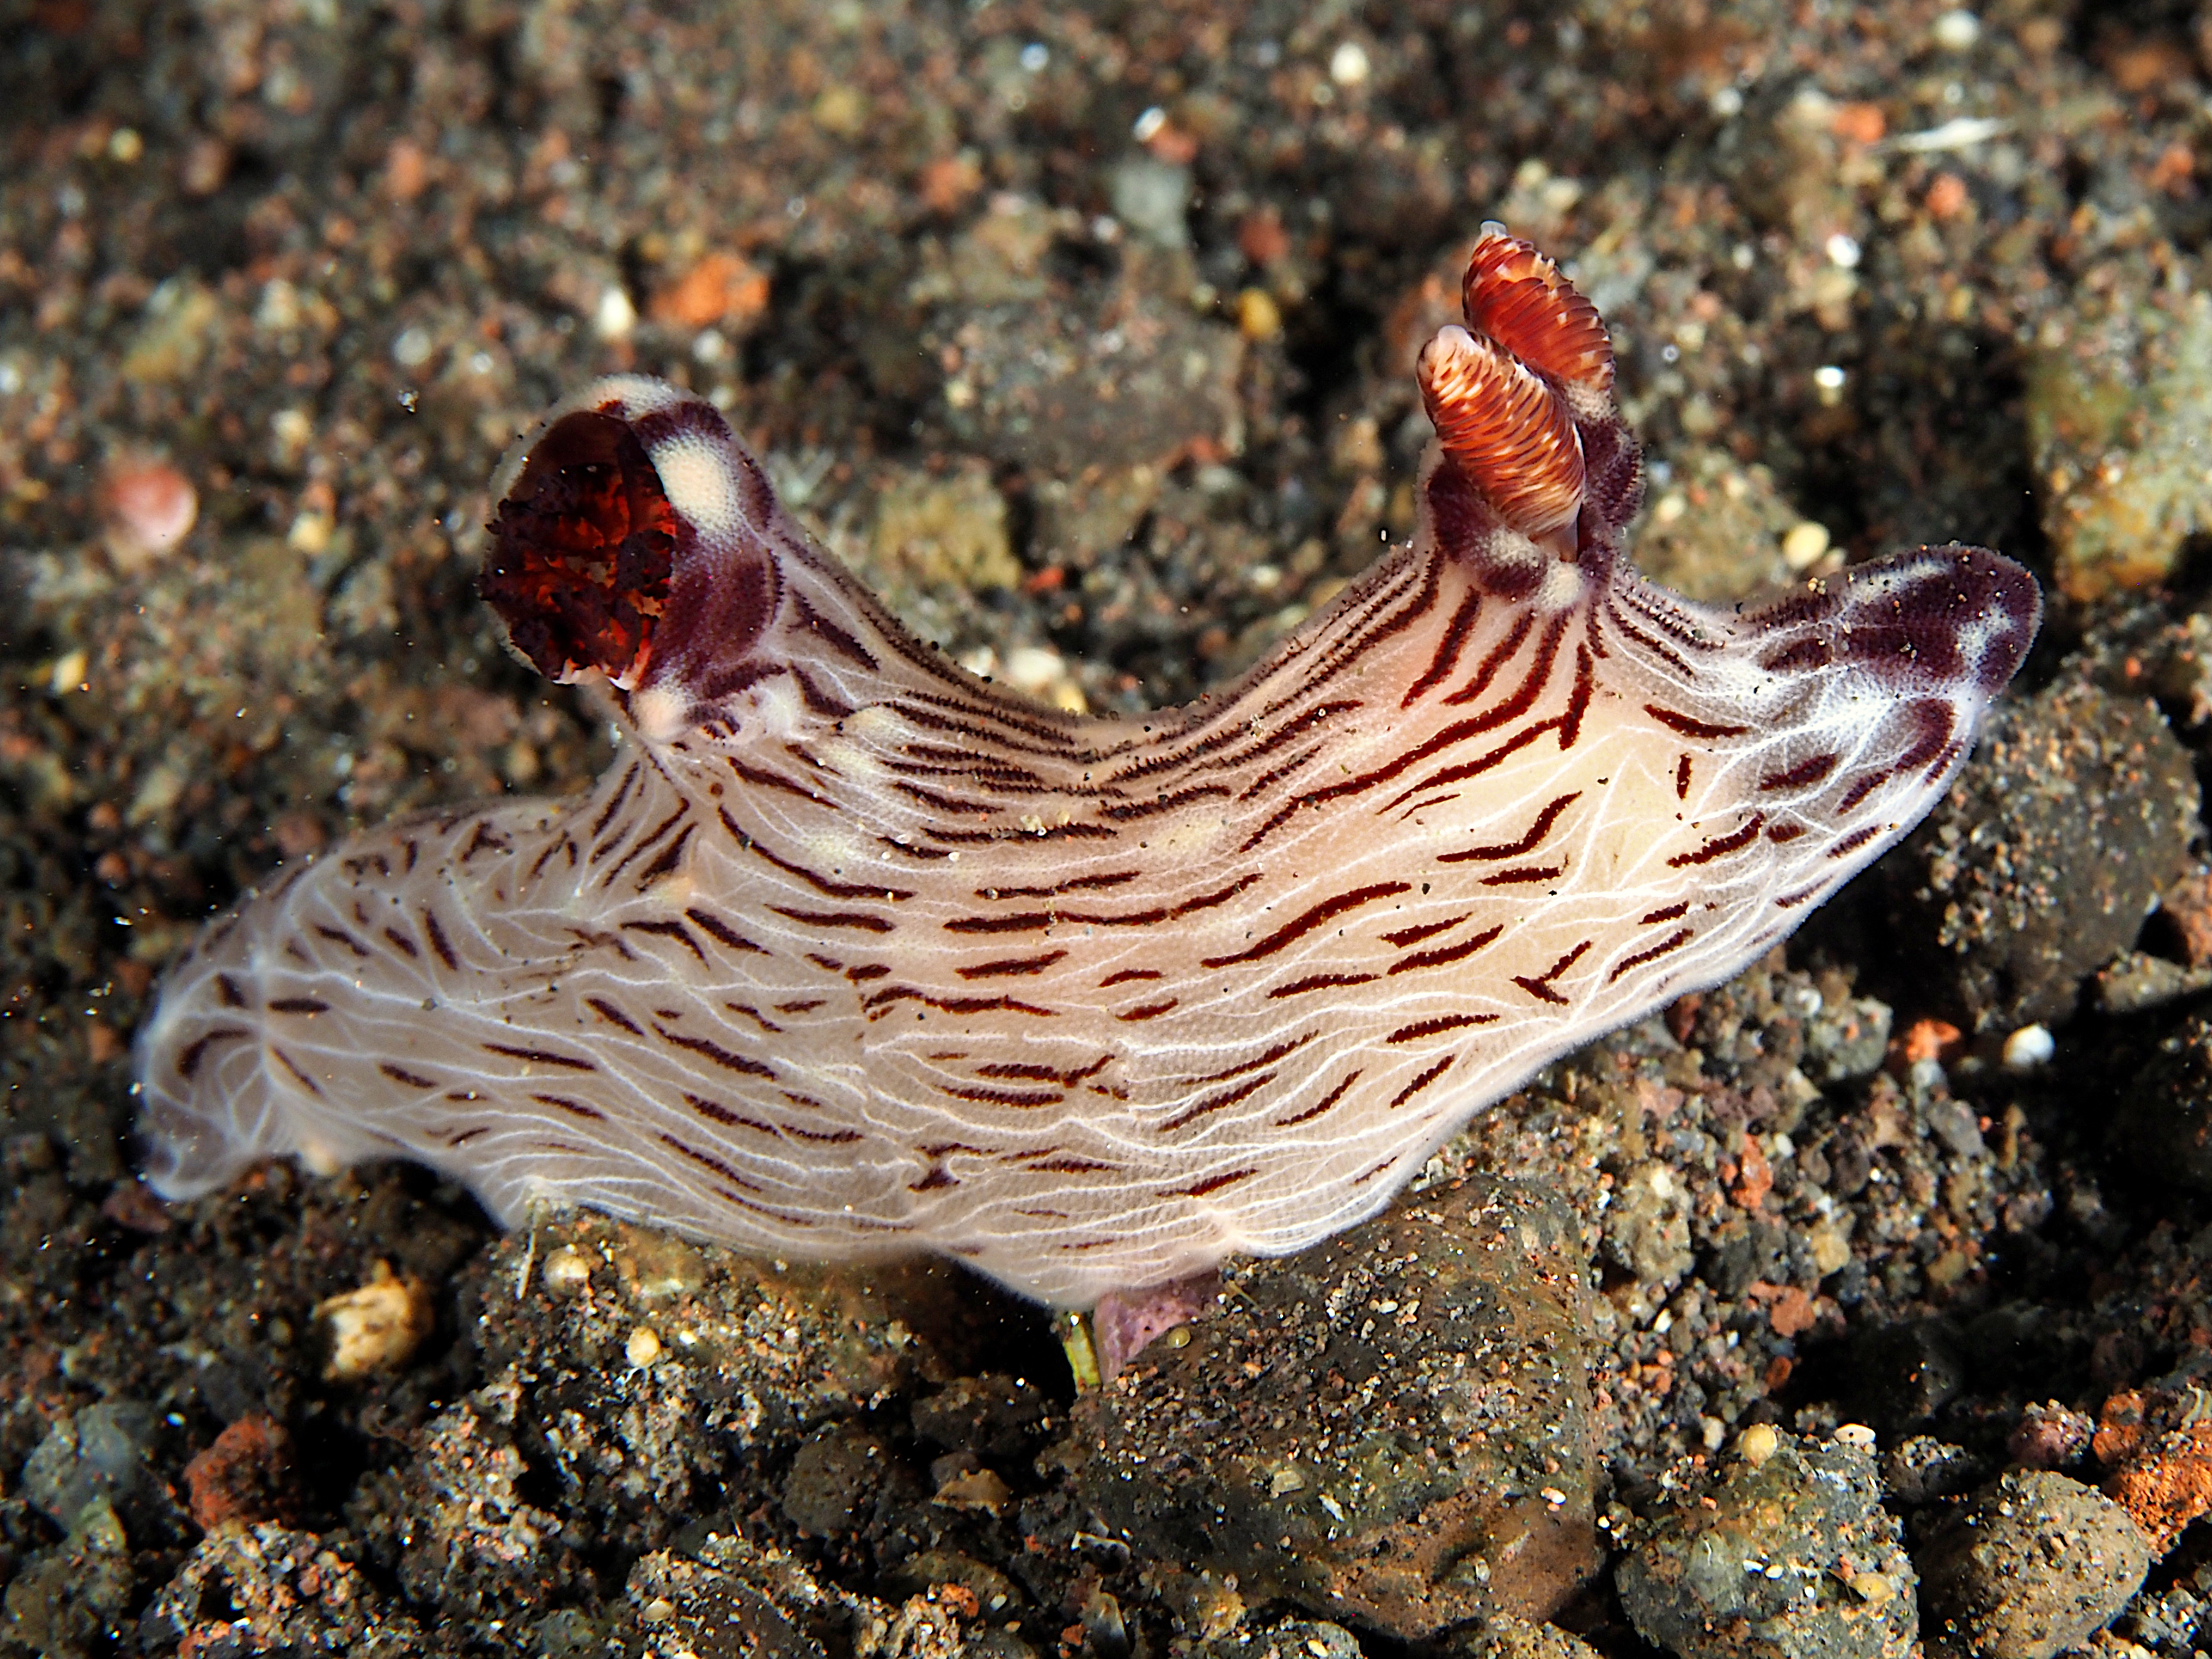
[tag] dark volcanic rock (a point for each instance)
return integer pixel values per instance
(726, 1598)
(2040, 865)
(1037, 390)
(98, 1454)
(1509, 1637)
(1296, 1640)
(1790, 1556)
(453, 1524)
(1899, 1376)
(2164, 1124)
(64, 1601)
(992, 1415)
(1392, 1427)
(834, 1480)
(653, 1361)
(268, 1589)
(2031, 1566)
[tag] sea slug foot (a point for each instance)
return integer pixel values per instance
(1125, 1322)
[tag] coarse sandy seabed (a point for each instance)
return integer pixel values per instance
(1084, 335)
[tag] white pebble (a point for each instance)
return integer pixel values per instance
(1757, 1443)
(1032, 668)
(2030, 1047)
(376, 1327)
(565, 1270)
(1957, 30)
(615, 316)
(1801, 549)
(1348, 65)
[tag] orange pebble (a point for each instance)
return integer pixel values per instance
(2175, 167)
(947, 183)
(1928, 1039)
(2168, 1485)
(151, 508)
(406, 170)
(1947, 197)
(1860, 123)
(722, 288)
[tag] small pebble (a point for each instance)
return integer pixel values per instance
(722, 287)
(615, 316)
(245, 1475)
(2050, 1435)
(974, 1489)
(643, 1347)
(151, 507)
(1948, 195)
(1152, 198)
(1034, 668)
(565, 1270)
(1507, 1637)
(1872, 1587)
(1258, 316)
(1957, 30)
(1466, 1309)
(1803, 545)
(836, 1480)
(311, 532)
(2028, 1049)
(377, 1327)
(67, 673)
(98, 1454)
(2163, 1123)
(1920, 1468)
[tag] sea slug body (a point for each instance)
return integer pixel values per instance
(852, 954)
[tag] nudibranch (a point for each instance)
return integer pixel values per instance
(851, 953)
